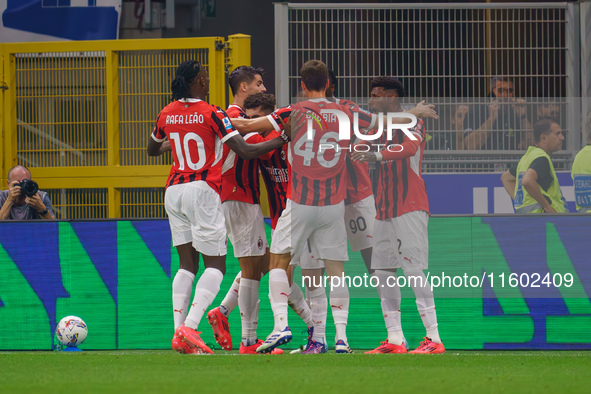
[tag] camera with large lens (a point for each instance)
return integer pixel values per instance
(28, 187)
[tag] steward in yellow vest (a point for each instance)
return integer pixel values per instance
(532, 184)
(581, 174)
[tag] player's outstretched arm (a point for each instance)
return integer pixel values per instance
(257, 125)
(252, 151)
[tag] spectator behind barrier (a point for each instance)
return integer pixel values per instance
(500, 125)
(581, 174)
(452, 136)
(23, 200)
(532, 183)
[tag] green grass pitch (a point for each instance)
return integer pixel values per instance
(167, 372)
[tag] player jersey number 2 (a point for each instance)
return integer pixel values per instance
(184, 153)
(304, 148)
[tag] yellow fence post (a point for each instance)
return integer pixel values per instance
(3, 88)
(9, 156)
(217, 77)
(113, 155)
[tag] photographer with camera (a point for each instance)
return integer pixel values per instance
(23, 200)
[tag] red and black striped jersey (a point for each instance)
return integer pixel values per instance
(276, 177)
(196, 131)
(317, 156)
(358, 181)
(240, 178)
(401, 189)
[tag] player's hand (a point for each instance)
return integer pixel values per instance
(550, 210)
(35, 203)
(165, 147)
(14, 192)
(426, 110)
(296, 118)
(286, 125)
(363, 156)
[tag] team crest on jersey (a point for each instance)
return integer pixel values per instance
(282, 155)
(227, 123)
(260, 243)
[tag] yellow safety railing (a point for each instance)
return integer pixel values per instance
(79, 115)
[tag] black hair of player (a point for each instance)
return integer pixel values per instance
(333, 81)
(243, 74)
(186, 72)
(543, 126)
(388, 83)
(314, 74)
(266, 101)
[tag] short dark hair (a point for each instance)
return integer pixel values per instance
(243, 74)
(333, 80)
(314, 74)
(15, 167)
(186, 72)
(499, 78)
(266, 101)
(543, 126)
(388, 83)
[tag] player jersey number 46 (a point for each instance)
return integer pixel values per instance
(304, 147)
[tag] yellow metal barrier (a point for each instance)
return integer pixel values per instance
(79, 114)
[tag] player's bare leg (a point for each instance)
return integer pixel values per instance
(366, 255)
(279, 290)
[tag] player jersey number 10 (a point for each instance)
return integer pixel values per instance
(304, 148)
(183, 146)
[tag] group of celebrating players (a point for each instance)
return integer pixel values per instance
(213, 191)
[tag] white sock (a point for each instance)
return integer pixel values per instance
(299, 305)
(230, 301)
(247, 302)
(339, 303)
(425, 302)
(278, 295)
(318, 305)
(207, 288)
(390, 301)
(182, 286)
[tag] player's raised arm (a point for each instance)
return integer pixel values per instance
(262, 124)
(251, 151)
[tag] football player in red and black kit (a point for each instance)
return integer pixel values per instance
(400, 232)
(197, 132)
(274, 170)
(244, 222)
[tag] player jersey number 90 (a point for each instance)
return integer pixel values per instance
(304, 147)
(183, 151)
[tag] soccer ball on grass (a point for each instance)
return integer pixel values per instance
(71, 331)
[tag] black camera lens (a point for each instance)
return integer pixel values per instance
(28, 187)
